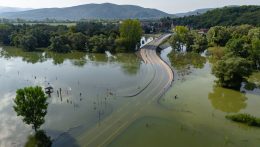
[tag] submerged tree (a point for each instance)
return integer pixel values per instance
(130, 34)
(180, 38)
(231, 71)
(30, 103)
(60, 44)
(28, 42)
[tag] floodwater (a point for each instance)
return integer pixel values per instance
(90, 85)
(93, 86)
(196, 117)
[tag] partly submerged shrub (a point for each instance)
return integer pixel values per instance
(245, 118)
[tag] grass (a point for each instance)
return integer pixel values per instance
(245, 118)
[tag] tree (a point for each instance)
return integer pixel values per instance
(5, 32)
(231, 71)
(130, 34)
(88, 28)
(218, 35)
(42, 33)
(192, 40)
(199, 42)
(30, 103)
(238, 47)
(226, 16)
(97, 44)
(254, 33)
(60, 44)
(255, 52)
(100, 43)
(77, 41)
(15, 39)
(28, 42)
(239, 31)
(181, 38)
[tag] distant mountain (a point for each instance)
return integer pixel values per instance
(88, 11)
(195, 12)
(12, 9)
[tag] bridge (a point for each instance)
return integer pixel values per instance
(111, 126)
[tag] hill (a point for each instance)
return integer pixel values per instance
(88, 11)
(223, 16)
(195, 12)
(11, 9)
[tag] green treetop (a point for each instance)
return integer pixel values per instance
(30, 103)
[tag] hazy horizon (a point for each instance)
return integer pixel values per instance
(169, 6)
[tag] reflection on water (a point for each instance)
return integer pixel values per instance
(77, 58)
(227, 100)
(158, 132)
(197, 117)
(29, 57)
(39, 139)
(186, 60)
(129, 62)
(85, 90)
(183, 63)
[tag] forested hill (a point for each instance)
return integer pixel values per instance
(223, 16)
(88, 11)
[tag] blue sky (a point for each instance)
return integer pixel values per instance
(170, 6)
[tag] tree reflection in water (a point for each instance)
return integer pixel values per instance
(39, 139)
(227, 100)
(129, 63)
(183, 62)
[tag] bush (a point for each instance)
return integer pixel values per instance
(245, 118)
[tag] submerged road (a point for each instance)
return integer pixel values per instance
(114, 124)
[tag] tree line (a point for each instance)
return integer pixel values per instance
(84, 36)
(226, 16)
(236, 50)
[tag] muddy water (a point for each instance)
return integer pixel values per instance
(90, 85)
(196, 116)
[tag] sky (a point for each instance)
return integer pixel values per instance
(169, 6)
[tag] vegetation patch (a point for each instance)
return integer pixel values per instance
(245, 118)
(216, 52)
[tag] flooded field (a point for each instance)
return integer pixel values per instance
(95, 86)
(91, 86)
(192, 112)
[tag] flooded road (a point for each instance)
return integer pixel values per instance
(196, 117)
(102, 134)
(89, 84)
(99, 105)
